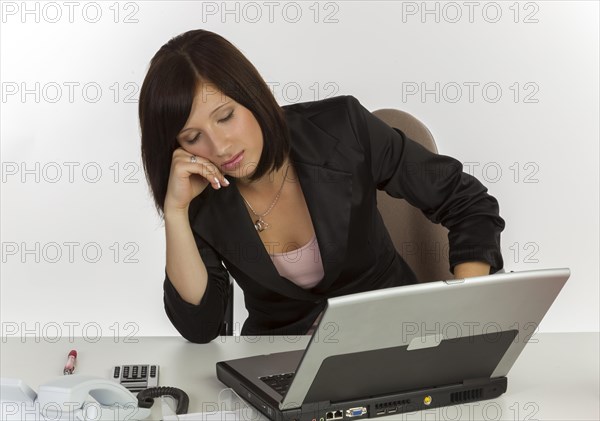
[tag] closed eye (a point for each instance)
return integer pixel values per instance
(191, 142)
(226, 118)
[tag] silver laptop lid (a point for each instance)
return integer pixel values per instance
(422, 315)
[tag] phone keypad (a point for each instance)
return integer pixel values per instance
(135, 377)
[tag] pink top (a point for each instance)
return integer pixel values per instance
(302, 266)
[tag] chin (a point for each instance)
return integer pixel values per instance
(247, 169)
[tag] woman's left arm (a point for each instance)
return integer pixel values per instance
(438, 186)
(470, 269)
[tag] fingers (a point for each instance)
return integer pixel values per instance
(201, 166)
(212, 174)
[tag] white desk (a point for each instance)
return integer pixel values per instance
(555, 378)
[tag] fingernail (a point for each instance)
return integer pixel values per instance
(218, 184)
(225, 181)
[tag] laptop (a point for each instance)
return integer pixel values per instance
(401, 349)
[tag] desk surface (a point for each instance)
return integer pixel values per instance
(555, 378)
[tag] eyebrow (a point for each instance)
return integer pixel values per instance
(211, 113)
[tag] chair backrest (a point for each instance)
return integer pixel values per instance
(423, 244)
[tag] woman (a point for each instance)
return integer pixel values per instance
(283, 198)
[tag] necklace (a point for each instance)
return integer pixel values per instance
(260, 223)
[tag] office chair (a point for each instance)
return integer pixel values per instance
(423, 244)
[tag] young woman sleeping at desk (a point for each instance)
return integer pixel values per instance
(284, 198)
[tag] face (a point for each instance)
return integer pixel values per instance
(222, 131)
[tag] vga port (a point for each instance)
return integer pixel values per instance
(356, 412)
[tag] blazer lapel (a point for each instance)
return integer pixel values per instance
(328, 193)
(327, 190)
(223, 221)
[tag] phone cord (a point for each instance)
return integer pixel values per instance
(146, 397)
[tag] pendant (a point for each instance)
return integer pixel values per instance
(260, 225)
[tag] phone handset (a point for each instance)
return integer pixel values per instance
(75, 397)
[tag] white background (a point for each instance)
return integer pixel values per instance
(533, 142)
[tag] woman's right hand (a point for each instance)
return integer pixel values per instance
(188, 179)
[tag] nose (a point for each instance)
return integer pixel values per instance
(222, 146)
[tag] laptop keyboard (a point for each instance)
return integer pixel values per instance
(279, 382)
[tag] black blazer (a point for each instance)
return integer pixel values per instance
(342, 154)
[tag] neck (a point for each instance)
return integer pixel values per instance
(268, 183)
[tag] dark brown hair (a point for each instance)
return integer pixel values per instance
(168, 91)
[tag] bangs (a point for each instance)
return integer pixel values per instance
(171, 97)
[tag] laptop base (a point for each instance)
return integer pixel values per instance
(398, 403)
(379, 406)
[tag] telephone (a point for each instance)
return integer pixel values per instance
(77, 397)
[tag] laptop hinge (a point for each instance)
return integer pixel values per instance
(316, 407)
(476, 381)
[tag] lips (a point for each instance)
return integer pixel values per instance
(233, 161)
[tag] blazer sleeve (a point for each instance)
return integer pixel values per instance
(200, 323)
(437, 185)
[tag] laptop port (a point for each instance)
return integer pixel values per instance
(335, 415)
(392, 410)
(356, 412)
